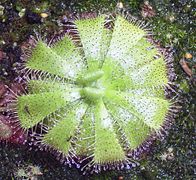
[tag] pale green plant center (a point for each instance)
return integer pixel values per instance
(92, 86)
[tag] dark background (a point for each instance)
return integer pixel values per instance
(173, 25)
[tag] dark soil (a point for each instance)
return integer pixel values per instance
(173, 26)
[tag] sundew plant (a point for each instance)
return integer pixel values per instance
(97, 94)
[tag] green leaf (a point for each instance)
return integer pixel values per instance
(86, 138)
(150, 75)
(107, 146)
(94, 38)
(32, 109)
(134, 129)
(45, 59)
(59, 137)
(125, 36)
(48, 85)
(150, 110)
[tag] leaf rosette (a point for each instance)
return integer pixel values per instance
(96, 95)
